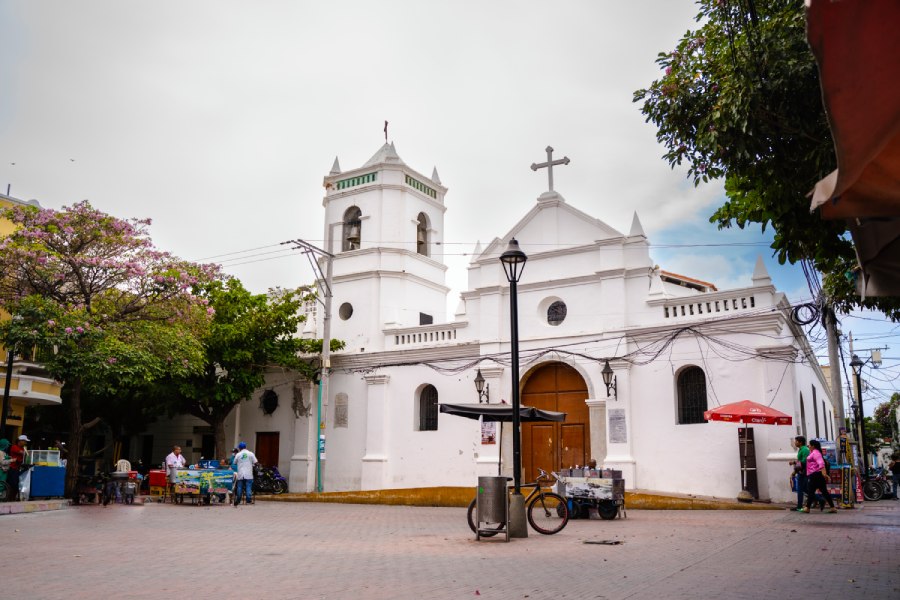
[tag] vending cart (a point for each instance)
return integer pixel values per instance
(47, 475)
(203, 485)
(601, 490)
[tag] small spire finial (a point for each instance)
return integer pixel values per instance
(385, 132)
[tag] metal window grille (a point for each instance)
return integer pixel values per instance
(556, 314)
(428, 409)
(691, 396)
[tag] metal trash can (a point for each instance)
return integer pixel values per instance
(492, 507)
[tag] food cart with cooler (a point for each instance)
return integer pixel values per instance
(601, 490)
(47, 476)
(204, 485)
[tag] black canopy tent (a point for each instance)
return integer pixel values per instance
(502, 413)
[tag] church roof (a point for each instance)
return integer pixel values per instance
(683, 280)
(553, 223)
(385, 154)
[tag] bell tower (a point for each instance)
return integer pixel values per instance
(384, 222)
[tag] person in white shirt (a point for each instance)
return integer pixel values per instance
(174, 461)
(243, 464)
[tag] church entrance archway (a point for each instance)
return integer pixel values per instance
(552, 446)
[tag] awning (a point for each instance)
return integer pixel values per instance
(501, 412)
(857, 48)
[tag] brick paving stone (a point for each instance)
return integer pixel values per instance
(336, 551)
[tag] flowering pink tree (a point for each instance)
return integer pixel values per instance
(107, 311)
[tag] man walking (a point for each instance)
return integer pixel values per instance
(243, 463)
(800, 468)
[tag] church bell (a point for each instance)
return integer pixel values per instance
(353, 234)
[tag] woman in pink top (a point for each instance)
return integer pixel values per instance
(815, 474)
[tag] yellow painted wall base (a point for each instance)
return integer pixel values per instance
(461, 496)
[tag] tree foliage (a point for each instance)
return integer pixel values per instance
(886, 415)
(740, 99)
(248, 335)
(106, 311)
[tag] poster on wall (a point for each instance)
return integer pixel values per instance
(488, 433)
(617, 433)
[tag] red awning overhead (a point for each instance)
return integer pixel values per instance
(857, 46)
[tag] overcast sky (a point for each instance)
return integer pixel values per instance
(218, 120)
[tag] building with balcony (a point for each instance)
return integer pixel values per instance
(29, 382)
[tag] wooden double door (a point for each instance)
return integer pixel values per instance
(553, 446)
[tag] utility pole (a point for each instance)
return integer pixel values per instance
(313, 253)
(834, 371)
(858, 432)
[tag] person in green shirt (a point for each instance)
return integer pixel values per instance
(800, 469)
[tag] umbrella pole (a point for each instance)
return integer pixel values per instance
(745, 495)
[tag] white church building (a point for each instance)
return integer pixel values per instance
(589, 295)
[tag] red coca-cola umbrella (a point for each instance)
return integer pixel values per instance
(747, 412)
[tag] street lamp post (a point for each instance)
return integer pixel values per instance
(513, 261)
(484, 391)
(856, 364)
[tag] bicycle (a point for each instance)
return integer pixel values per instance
(547, 512)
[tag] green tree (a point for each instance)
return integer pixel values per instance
(740, 99)
(249, 333)
(886, 416)
(874, 434)
(106, 311)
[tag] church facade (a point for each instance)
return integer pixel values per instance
(590, 298)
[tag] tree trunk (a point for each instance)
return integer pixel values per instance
(76, 440)
(218, 424)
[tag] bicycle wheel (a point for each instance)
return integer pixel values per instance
(548, 513)
(872, 490)
(487, 529)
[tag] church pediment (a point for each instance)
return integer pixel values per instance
(553, 224)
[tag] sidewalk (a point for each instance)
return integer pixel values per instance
(30, 506)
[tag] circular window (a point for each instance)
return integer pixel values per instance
(345, 311)
(556, 313)
(268, 402)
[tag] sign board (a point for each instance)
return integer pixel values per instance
(617, 431)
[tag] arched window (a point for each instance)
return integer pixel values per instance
(428, 409)
(691, 396)
(802, 417)
(422, 235)
(352, 230)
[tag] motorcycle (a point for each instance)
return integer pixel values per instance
(267, 480)
(878, 485)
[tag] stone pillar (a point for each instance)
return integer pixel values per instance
(619, 429)
(374, 462)
(302, 477)
(597, 432)
(488, 461)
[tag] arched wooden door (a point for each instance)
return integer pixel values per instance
(552, 446)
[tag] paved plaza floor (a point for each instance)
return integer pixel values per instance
(335, 551)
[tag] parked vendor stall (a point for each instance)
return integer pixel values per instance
(601, 490)
(44, 476)
(204, 485)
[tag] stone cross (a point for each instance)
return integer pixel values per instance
(549, 164)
